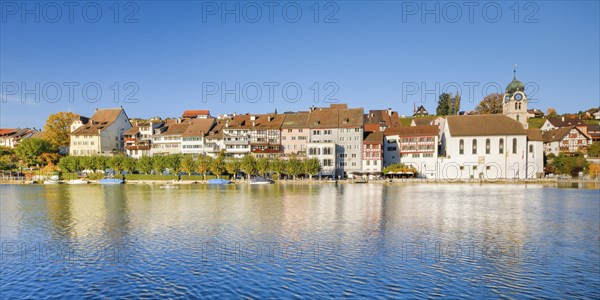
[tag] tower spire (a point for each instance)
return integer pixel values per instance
(515, 72)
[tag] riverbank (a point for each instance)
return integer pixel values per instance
(350, 181)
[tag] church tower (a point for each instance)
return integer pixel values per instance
(515, 101)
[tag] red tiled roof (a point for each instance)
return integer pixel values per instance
(7, 131)
(195, 113)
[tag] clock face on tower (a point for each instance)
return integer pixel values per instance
(519, 97)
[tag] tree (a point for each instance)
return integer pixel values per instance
(572, 164)
(233, 166)
(159, 163)
(312, 167)
(29, 150)
(144, 164)
(203, 164)
(248, 165)
(172, 163)
(551, 112)
(98, 163)
(116, 163)
(594, 149)
(129, 164)
(491, 104)
(444, 103)
(455, 105)
(218, 165)
(188, 165)
(262, 166)
(278, 166)
(56, 130)
(70, 163)
(294, 167)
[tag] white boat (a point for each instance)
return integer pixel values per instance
(51, 181)
(261, 180)
(77, 181)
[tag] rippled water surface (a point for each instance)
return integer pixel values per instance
(309, 241)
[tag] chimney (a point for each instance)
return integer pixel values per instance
(389, 111)
(253, 124)
(269, 118)
(252, 118)
(563, 118)
(226, 123)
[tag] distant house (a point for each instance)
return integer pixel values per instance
(168, 141)
(596, 115)
(372, 159)
(379, 120)
(196, 114)
(565, 139)
(420, 112)
(193, 141)
(593, 130)
(535, 113)
(431, 120)
(138, 139)
(557, 122)
(10, 137)
(101, 134)
(414, 145)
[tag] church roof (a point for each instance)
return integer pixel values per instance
(484, 125)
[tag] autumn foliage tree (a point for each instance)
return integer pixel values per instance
(57, 128)
(491, 104)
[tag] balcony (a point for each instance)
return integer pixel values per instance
(270, 149)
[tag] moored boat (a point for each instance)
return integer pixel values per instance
(218, 181)
(77, 181)
(261, 180)
(110, 181)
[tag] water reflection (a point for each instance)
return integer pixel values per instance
(357, 240)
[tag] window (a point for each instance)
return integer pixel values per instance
(427, 154)
(514, 145)
(327, 151)
(391, 148)
(461, 147)
(416, 155)
(474, 150)
(530, 148)
(501, 146)
(327, 163)
(487, 146)
(353, 155)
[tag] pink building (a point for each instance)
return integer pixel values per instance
(295, 134)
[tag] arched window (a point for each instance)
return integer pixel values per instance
(487, 146)
(501, 147)
(461, 147)
(516, 105)
(474, 150)
(514, 146)
(518, 117)
(531, 150)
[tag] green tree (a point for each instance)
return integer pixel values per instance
(233, 167)
(98, 162)
(218, 165)
(129, 164)
(294, 167)
(572, 164)
(56, 130)
(188, 165)
(172, 163)
(278, 166)
(144, 164)
(116, 162)
(594, 149)
(203, 164)
(491, 104)
(159, 163)
(29, 150)
(248, 165)
(312, 167)
(444, 103)
(262, 166)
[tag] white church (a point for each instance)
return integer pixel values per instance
(488, 146)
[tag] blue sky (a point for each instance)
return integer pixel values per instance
(171, 56)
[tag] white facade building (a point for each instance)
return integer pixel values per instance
(102, 134)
